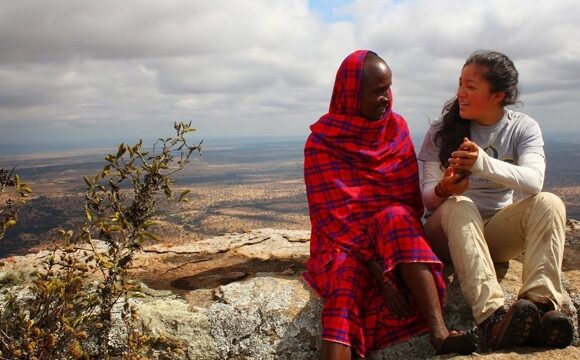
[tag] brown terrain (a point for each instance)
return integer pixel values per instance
(234, 187)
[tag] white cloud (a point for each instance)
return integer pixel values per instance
(244, 67)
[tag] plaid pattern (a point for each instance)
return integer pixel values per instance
(365, 203)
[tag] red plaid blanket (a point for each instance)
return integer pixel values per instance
(365, 203)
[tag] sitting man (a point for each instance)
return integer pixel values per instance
(380, 281)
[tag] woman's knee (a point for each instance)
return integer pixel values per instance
(550, 202)
(459, 206)
(459, 202)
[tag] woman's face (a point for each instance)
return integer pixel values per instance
(375, 90)
(476, 101)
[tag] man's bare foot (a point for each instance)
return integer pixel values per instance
(459, 342)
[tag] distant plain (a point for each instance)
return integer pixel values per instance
(236, 186)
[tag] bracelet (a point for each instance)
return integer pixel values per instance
(440, 192)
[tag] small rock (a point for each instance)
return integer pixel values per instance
(288, 272)
(234, 276)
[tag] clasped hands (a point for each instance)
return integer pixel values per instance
(455, 181)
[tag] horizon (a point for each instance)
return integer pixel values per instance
(211, 142)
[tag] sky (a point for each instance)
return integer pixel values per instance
(86, 71)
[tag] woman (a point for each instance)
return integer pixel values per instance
(474, 158)
(367, 245)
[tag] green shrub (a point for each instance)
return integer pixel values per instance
(12, 192)
(82, 289)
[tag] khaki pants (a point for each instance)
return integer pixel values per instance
(534, 225)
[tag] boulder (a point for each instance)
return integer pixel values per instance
(241, 296)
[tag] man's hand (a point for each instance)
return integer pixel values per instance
(454, 182)
(396, 300)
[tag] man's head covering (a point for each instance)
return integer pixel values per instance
(347, 92)
(342, 128)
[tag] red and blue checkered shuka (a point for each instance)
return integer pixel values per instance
(365, 203)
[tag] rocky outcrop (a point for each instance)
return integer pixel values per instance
(240, 296)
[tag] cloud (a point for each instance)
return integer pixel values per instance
(427, 42)
(102, 69)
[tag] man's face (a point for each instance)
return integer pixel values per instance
(377, 80)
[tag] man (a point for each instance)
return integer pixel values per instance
(380, 281)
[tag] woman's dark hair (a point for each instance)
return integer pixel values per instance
(501, 74)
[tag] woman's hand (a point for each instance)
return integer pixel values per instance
(465, 157)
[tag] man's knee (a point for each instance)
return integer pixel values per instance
(397, 211)
(395, 216)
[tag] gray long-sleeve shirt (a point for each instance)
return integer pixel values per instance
(511, 157)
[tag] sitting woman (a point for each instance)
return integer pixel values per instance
(380, 281)
(473, 160)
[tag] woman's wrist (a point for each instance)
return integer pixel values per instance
(440, 192)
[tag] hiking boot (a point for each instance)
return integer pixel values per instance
(555, 331)
(506, 329)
